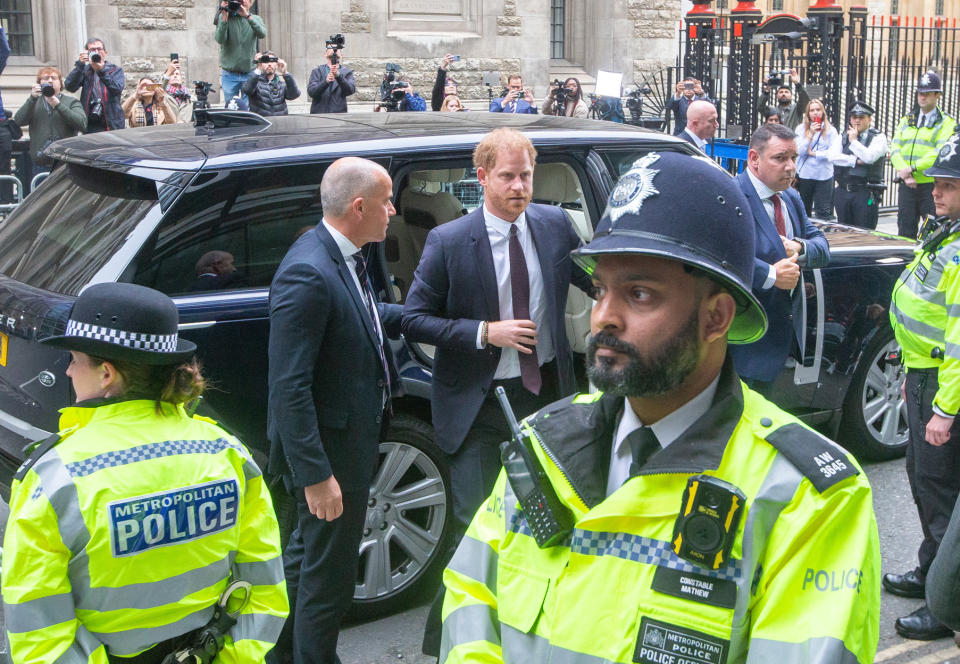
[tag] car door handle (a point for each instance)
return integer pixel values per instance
(196, 326)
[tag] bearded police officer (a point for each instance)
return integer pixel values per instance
(913, 150)
(925, 318)
(859, 170)
(690, 519)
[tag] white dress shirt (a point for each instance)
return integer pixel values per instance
(666, 429)
(766, 195)
(867, 154)
(498, 231)
(348, 249)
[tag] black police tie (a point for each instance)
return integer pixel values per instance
(643, 443)
(520, 287)
(361, 268)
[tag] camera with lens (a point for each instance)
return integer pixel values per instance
(95, 114)
(47, 90)
(777, 77)
(95, 57)
(268, 58)
(233, 6)
(335, 42)
(202, 90)
(392, 91)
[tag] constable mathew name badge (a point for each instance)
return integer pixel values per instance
(172, 517)
(663, 643)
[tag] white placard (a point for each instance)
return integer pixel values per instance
(608, 84)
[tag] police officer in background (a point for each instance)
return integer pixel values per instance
(913, 150)
(128, 526)
(665, 469)
(859, 170)
(924, 315)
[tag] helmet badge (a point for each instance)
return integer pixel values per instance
(925, 80)
(949, 148)
(635, 186)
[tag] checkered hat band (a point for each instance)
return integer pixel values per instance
(159, 343)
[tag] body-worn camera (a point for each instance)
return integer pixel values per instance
(95, 57)
(47, 90)
(710, 513)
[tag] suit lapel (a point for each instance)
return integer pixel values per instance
(540, 233)
(760, 215)
(488, 275)
(343, 269)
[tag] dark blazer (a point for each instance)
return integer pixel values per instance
(685, 135)
(455, 288)
(325, 378)
(763, 359)
(330, 97)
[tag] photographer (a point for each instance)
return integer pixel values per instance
(50, 116)
(102, 84)
(398, 95)
(515, 99)
(444, 86)
(177, 93)
(686, 92)
(268, 93)
(790, 111)
(566, 101)
(148, 105)
(237, 33)
(331, 83)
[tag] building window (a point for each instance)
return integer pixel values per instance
(17, 20)
(557, 24)
(776, 6)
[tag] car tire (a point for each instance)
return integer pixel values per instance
(874, 425)
(408, 527)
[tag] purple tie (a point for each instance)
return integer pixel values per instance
(520, 285)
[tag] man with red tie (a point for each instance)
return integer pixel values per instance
(786, 242)
(490, 293)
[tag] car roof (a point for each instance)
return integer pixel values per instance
(292, 138)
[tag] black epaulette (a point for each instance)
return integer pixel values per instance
(39, 450)
(821, 461)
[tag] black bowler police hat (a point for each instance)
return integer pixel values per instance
(687, 209)
(862, 108)
(930, 82)
(947, 164)
(125, 322)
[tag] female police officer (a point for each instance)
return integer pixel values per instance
(127, 527)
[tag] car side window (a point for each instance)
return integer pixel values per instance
(231, 229)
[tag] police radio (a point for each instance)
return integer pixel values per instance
(549, 520)
(707, 525)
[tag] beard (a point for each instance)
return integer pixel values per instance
(654, 374)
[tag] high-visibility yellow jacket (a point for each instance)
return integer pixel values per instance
(917, 147)
(925, 315)
(126, 533)
(801, 585)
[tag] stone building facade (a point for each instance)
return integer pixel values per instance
(541, 39)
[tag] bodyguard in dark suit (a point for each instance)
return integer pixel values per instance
(490, 293)
(786, 240)
(701, 125)
(329, 385)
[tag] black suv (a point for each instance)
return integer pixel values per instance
(148, 205)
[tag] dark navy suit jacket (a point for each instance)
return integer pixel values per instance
(325, 377)
(455, 288)
(763, 359)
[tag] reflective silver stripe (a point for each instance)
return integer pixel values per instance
(915, 286)
(776, 492)
(38, 613)
(62, 494)
(819, 649)
(953, 310)
(258, 627)
(149, 595)
(520, 647)
(84, 644)
(477, 622)
(953, 351)
(131, 641)
(251, 470)
(476, 560)
(917, 327)
(260, 572)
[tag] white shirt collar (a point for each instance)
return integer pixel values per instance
(501, 226)
(763, 191)
(667, 429)
(699, 142)
(347, 248)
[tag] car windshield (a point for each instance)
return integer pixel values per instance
(71, 226)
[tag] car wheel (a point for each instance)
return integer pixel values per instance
(874, 425)
(407, 529)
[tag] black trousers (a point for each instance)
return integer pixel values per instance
(856, 208)
(817, 197)
(912, 206)
(320, 565)
(933, 472)
(475, 466)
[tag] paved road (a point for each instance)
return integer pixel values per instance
(397, 638)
